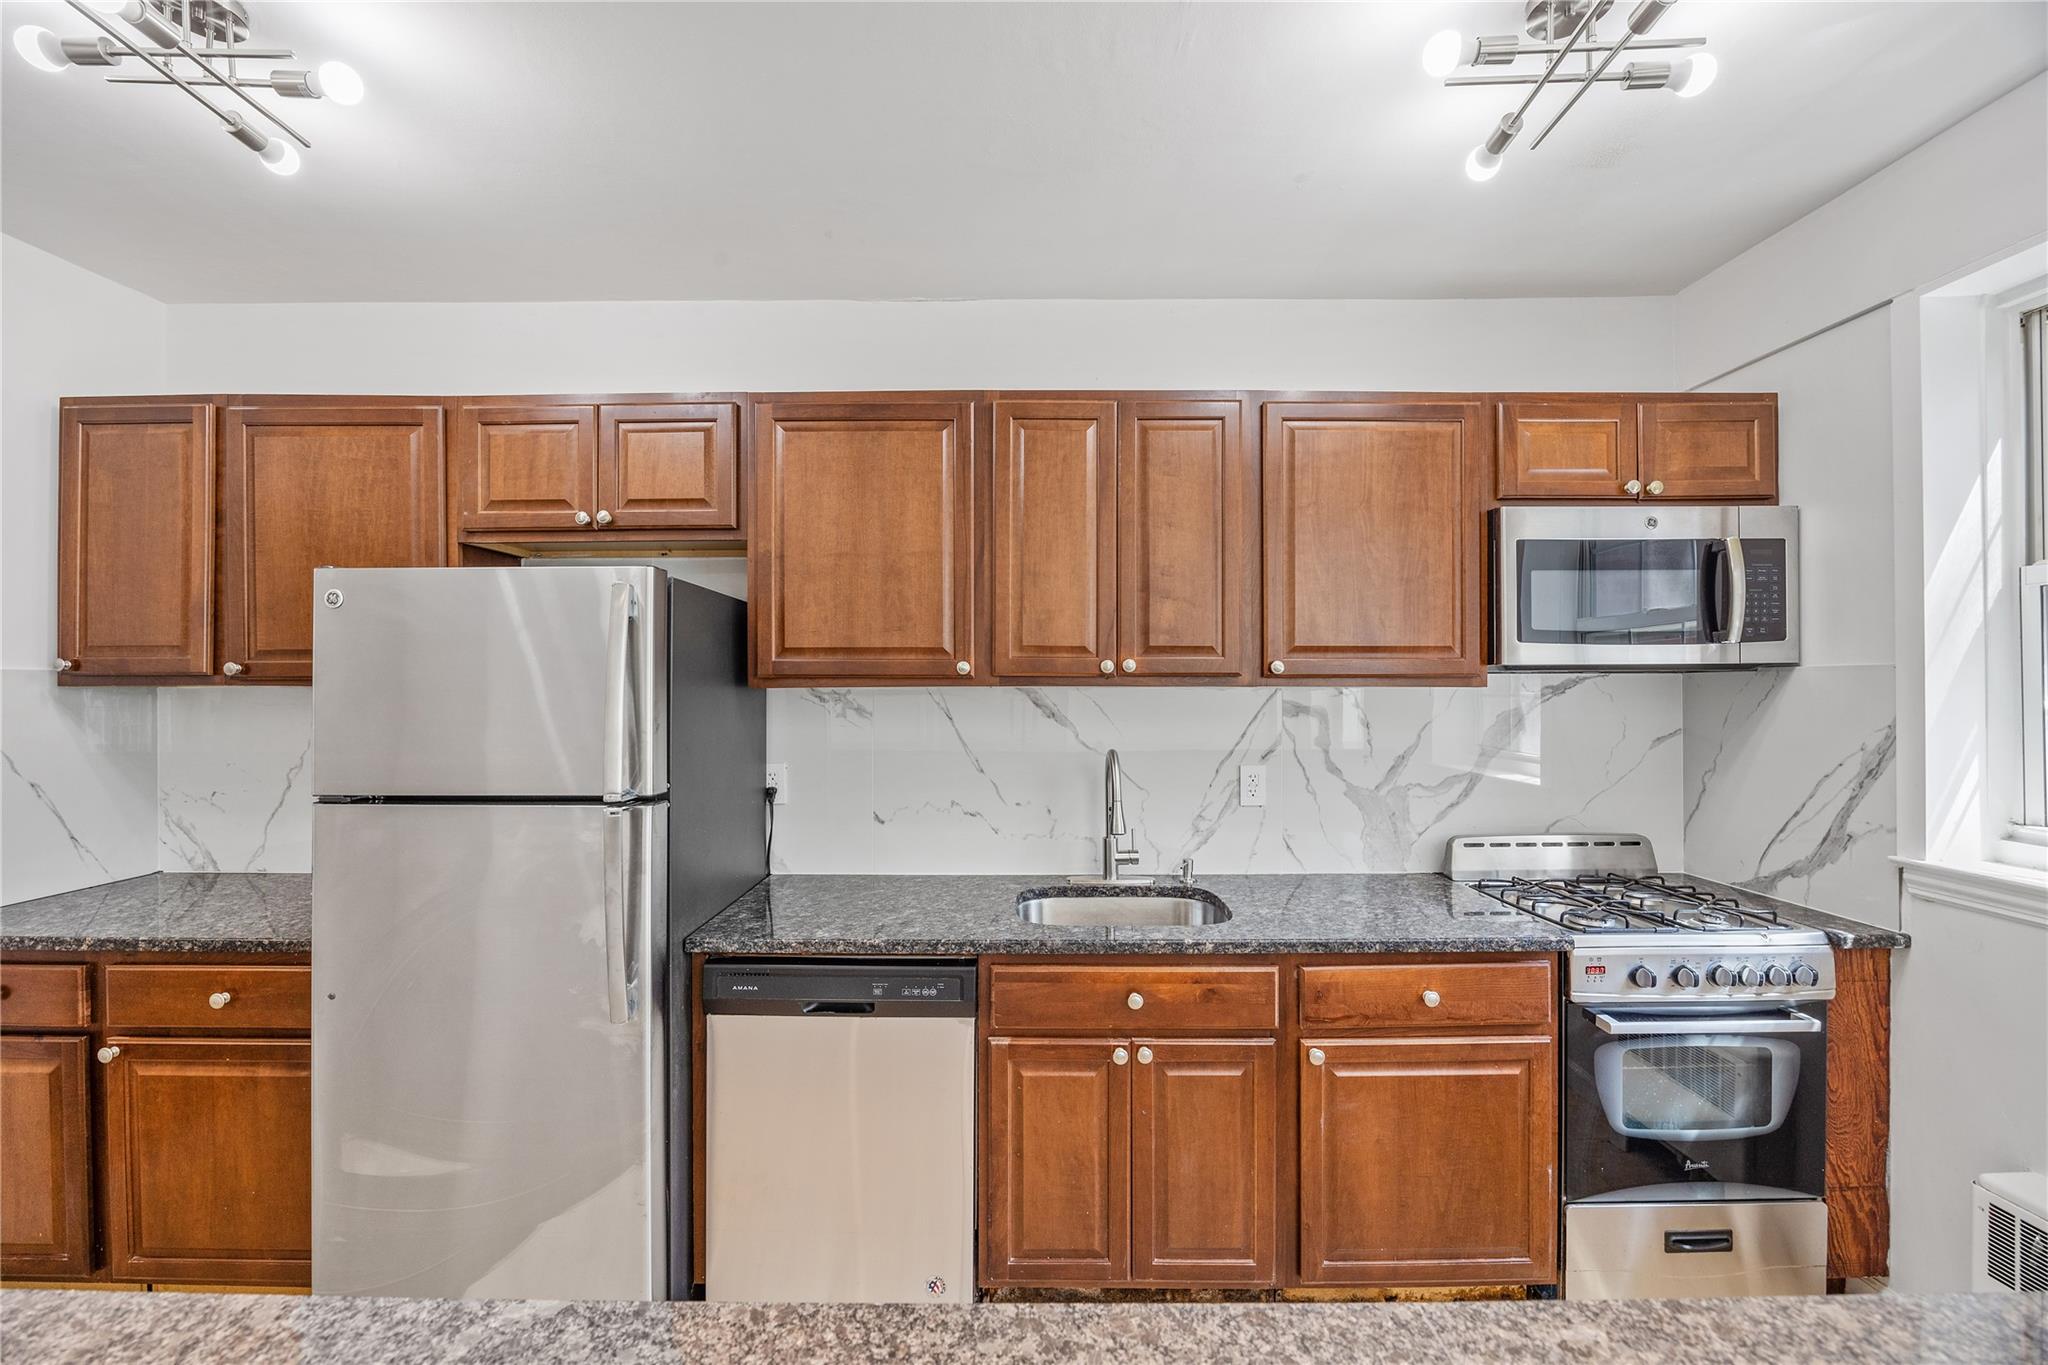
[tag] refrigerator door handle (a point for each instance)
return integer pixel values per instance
(621, 699)
(621, 923)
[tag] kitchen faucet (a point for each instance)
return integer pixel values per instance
(1118, 851)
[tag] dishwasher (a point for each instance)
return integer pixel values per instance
(839, 1131)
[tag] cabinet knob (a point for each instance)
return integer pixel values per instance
(963, 668)
(1656, 485)
(1279, 665)
(1432, 999)
(582, 517)
(1135, 1000)
(232, 669)
(1145, 1055)
(219, 1000)
(1107, 666)
(1130, 665)
(1315, 1056)
(64, 666)
(1632, 487)
(604, 518)
(107, 1054)
(1120, 1056)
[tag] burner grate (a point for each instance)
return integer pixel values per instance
(1612, 903)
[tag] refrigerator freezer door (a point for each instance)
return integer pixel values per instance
(532, 682)
(482, 1128)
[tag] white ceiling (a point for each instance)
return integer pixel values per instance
(853, 150)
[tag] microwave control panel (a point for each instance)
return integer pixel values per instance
(1764, 589)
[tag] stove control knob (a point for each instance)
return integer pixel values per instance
(1774, 975)
(1748, 977)
(1642, 976)
(1685, 977)
(1804, 975)
(1720, 975)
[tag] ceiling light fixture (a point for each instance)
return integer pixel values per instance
(1557, 31)
(212, 38)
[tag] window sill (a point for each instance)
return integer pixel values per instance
(2017, 893)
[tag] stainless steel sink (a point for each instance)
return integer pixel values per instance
(1131, 912)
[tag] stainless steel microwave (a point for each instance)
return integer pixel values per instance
(1645, 586)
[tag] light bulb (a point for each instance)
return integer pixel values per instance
(1694, 74)
(1482, 164)
(339, 82)
(1440, 54)
(40, 48)
(280, 156)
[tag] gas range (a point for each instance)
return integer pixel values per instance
(1639, 937)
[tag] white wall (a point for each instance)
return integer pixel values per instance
(78, 796)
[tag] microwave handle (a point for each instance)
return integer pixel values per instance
(1738, 590)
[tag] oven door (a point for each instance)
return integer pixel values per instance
(1671, 1107)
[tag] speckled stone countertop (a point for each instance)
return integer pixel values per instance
(169, 912)
(69, 1327)
(1843, 933)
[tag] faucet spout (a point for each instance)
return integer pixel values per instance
(1117, 849)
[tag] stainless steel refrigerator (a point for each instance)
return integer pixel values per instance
(529, 783)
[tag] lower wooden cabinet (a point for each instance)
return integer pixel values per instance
(1202, 1170)
(1428, 1161)
(1055, 1167)
(45, 1212)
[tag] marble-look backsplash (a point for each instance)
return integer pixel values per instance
(78, 786)
(234, 779)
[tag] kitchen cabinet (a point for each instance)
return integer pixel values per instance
(1203, 1118)
(861, 557)
(1374, 558)
(1681, 447)
(351, 486)
(45, 1219)
(669, 466)
(1859, 1115)
(1709, 447)
(526, 466)
(1055, 1165)
(1182, 497)
(1052, 538)
(1577, 448)
(135, 539)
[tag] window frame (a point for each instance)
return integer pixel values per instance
(2026, 838)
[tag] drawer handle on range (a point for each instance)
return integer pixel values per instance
(107, 1054)
(1120, 1056)
(1315, 1056)
(1145, 1054)
(219, 1000)
(1706, 1239)
(1432, 999)
(1135, 1000)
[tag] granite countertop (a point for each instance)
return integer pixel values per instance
(1843, 933)
(169, 912)
(68, 1326)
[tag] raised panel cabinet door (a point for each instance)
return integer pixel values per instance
(861, 555)
(526, 468)
(135, 490)
(1567, 448)
(1052, 533)
(1182, 486)
(669, 466)
(1202, 1161)
(1373, 547)
(350, 487)
(1055, 1161)
(45, 1213)
(1428, 1162)
(1709, 448)
(209, 1161)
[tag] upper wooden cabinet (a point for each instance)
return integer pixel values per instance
(135, 549)
(354, 486)
(526, 467)
(1690, 447)
(861, 558)
(1183, 488)
(667, 466)
(1373, 553)
(1052, 537)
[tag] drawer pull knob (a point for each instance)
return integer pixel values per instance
(1130, 665)
(107, 1054)
(1145, 1054)
(963, 668)
(1315, 1056)
(219, 1000)
(1120, 1056)
(1432, 999)
(1135, 1000)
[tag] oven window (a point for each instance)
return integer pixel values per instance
(1689, 1088)
(1612, 592)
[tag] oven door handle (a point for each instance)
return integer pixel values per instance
(1637, 1026)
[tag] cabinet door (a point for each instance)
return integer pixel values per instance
(1583, 448)
(209, 1161)
(1052, 531)
(669, 466)
(1373, 554)
(526, 468)
(352, 487)
(1709, 448)
(860, 563)
(135, 539)
(45, 1219)
(1202, 1162)
(1428, 1162)
(1182, 486)
(1055, 1162)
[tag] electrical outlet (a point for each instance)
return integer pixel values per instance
(1251, 784)
(778, 778)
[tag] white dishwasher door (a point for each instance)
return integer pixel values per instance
(839, 1163)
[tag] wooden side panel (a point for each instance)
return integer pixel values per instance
(1052, 537)
(670, 466)
(1202, 1162)
(1182, 491)
(1566, 448)
(350, 487)
(1859, 1114)
(1709, 448)
(526, 468)
(1055, 1162)
(135, 510)
(209, 1161)
(45, 1211)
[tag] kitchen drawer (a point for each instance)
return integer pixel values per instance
(1512, 995)
(1101, 999)
(183, 997)
(44, 995)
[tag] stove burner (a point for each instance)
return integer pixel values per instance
(1611, 903)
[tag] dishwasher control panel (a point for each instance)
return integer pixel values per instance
(828, 986)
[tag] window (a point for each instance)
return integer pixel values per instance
(2033, 825)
